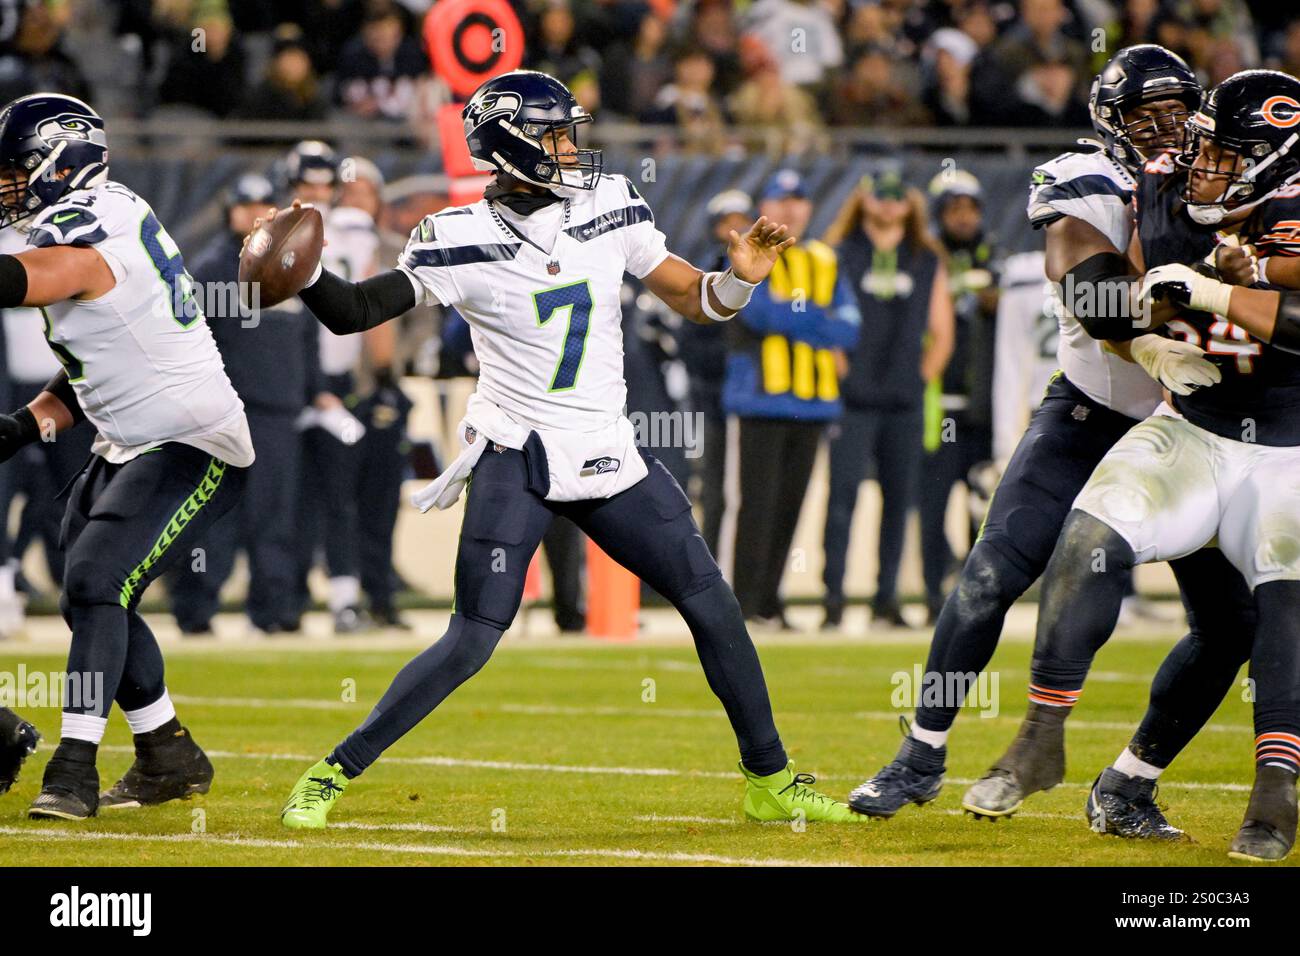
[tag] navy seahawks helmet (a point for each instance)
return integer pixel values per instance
(510, 121)
(311, 161)
(1136, 75)
(1253, 117)
(50, 144)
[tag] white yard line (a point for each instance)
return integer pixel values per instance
(645, 710)
(322, 848)
(437, 761)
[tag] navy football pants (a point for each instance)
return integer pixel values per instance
(1068, 435)
(648, 529)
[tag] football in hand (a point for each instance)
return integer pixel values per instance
(281, 255)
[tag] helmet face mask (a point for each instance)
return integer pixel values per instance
(525, 125)
(1242, 146)
(1140, 102)
(50, 145)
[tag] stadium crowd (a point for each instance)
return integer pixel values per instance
(791, 65)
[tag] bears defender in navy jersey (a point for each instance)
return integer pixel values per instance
(1258, 398)
(1083, 201)
(171, 446)
(1215, 474)
(536, 268)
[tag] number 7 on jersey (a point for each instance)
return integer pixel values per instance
(575, 299)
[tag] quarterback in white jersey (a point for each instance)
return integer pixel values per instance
(536, 268)
(171, 446)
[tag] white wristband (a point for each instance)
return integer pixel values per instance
(732, 292)
(1262, 265)
(1210, 295)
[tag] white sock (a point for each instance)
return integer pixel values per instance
(151, 716)
(935, 738)
(1131, 766)
(345, 592)
(83, 727)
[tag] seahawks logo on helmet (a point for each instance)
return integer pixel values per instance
(491, 106)
(69, 126)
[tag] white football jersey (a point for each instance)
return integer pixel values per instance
(351, 252)
(1093, 188)
(546, 323)
(141, 357)
(29, 360)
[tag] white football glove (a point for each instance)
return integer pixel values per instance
(1179, 366)
(1186, 287)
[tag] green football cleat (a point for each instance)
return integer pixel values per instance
(786, 795)
(313, 796)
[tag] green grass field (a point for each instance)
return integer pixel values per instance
(552, 756)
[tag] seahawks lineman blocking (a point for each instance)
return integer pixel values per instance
(1219, 463)
(536, 268)
(1083, 200)
(140, 365)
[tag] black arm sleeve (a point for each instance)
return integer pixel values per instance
(62, 389)
(13, 282)
(1096, 291)
(1286, 330)
(344, 307)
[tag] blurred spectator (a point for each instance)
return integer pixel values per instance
(1214, 25)
(688, 103)
(206, 69)
(784, 115)
(713, 29)
(1035, 75)
(290, 89)
(378, 70)
(633, 72)
(782, 386)
(896, 270)
(1288, 57)
(959, 406)
(800, 34)
(556, 51)
(31, 52)
(873, 94)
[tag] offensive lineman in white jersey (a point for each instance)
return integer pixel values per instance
(536, 268)
(140, 365)
(1084, 201)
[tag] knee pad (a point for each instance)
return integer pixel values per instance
(472, 644)
(89, 581)
(1088, 539)
(990, 582)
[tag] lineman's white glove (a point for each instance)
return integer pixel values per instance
(1179, 366)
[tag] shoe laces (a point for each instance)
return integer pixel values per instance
(802, 786)
(324, 791)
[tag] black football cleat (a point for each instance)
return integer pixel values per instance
(169, 765)
(1268, 832)
(70, 788)
(18, 741)
(1035, 761)
(1125, 806)
(914, 776)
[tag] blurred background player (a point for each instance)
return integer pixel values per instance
(382, 407)
(327, 495)
(273, 362)
(959, 404)
(896, 270)
(782, 388)
(704, 352)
